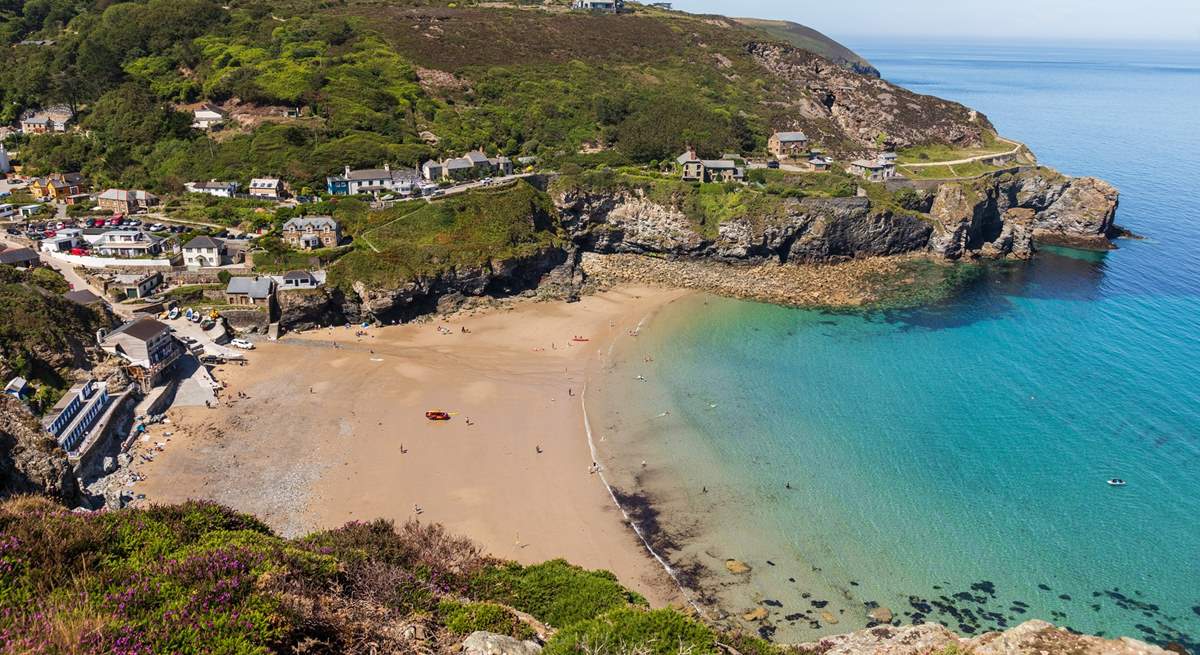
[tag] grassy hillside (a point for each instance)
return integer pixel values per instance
(42, 335)
(198, 578)
(403, 80)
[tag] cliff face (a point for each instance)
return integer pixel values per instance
(1029, 638)
(30, 461)
(837, 103)
(1005, 214)
(994, 216)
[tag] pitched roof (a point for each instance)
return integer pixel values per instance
(142, 329)
(82, 296)
(255, 287)
(297, 275)
(264, 183)
(17, 256)
(203, 241)
(476, 157)
(866, 163)
(791, 136)
(370, 174)
(458, 164)
(301, 222)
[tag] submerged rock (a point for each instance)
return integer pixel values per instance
(757, 614)
(737, 567)
(881, 615)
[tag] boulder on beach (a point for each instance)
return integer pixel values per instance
(880, 615)
(757, 614)
(828, 617)
(737, 567)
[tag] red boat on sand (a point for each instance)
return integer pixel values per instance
(434, 415)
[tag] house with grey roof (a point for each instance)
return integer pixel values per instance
(878, 170)
(147, 347)
(17, 387)
(309, 232)
(213, 188)
(20, 257)
(373, 180)
(695, 169)
(256, 291)
(787, 145)
(604, 6)
(43, 121)
(299, 280)
(472, 165)
(270, 188)
(71, 419)
(204, 251)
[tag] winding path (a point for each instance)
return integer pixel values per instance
(1016, 147)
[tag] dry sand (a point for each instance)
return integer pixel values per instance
(318, 440)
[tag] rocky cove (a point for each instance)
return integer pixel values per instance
(804, 251)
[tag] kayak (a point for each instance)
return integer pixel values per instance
(437, 416)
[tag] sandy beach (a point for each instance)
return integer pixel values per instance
(327, 427)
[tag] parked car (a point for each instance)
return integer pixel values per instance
(773, 164)
(242, 343)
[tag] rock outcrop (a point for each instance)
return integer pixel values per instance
(834, 102)
(992, 216)
(1029, 638)
(487, 643)
(30, 461)
(1006, 213)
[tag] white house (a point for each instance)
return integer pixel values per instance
(266, 187)
(213, 188)
(203, 251)
(207, 117)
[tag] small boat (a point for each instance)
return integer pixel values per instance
(1116, 482)
(437, 416)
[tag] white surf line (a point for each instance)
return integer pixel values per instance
(587, 427)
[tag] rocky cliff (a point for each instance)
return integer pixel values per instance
(995, 216)
(1029, 638)
(30, 461)
(849, 112)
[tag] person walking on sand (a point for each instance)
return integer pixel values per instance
(570, 392)
(538, 448)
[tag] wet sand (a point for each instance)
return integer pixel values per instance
(332, 429)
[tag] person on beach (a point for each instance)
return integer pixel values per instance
(538, 448)
(570, 392)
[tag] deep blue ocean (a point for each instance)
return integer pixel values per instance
(951, 462)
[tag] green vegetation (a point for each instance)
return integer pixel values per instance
(199, 578)
(462, 231)
(42, 335)
(935, 152)
(465, 618)
(556, 592)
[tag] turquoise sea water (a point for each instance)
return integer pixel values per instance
(950, 462)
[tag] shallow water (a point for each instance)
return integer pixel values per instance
(950, 462)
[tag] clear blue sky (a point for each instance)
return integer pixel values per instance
(1174, 20)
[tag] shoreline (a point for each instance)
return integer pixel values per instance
(335, 432)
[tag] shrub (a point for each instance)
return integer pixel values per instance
(465, 618)
(632, 630)
(224, 277)
(555, 592)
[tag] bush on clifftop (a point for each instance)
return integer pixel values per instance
(200, 578)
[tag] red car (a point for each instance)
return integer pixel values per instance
(78, 251)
